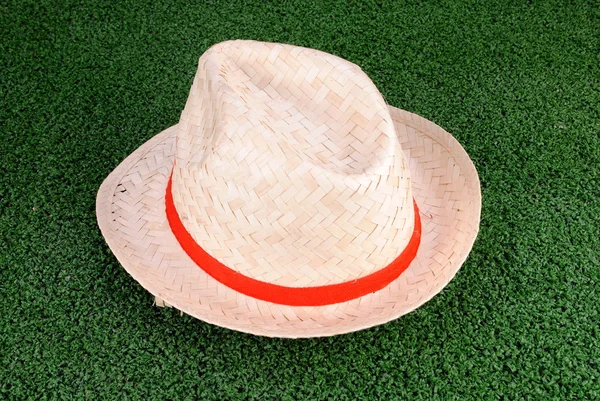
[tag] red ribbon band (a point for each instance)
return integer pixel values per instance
(292, 296)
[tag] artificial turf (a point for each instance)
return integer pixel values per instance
(84, 83)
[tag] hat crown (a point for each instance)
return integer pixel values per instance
(288, 168)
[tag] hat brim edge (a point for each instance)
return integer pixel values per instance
(108, 187)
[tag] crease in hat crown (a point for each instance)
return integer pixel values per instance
(288, 168)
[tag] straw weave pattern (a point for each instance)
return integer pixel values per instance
(288, 168)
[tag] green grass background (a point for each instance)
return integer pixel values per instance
(85, 82)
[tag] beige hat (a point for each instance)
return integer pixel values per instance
(290, 200)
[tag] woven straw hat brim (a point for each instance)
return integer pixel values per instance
(131, 215)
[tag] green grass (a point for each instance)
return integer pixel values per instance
(84, 83)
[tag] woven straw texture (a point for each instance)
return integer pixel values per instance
(291, 169)
(288, 166)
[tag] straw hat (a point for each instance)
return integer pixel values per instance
(290, 200)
